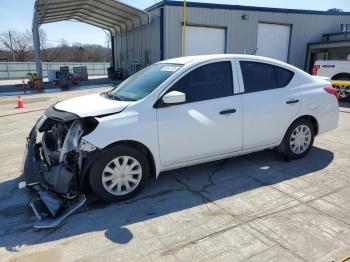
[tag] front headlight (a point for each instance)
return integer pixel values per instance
(71, 142)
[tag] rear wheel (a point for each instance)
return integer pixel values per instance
(298, 139)
(119, 173)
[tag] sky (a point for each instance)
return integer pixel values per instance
(17, 14)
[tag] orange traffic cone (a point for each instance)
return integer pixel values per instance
(19, 102)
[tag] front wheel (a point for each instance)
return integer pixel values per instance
(298, 139)
(119, 173)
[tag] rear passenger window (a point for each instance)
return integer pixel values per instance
(259, 76)
(206, 82)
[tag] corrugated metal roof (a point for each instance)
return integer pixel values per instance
(108, 14)
(244, 8)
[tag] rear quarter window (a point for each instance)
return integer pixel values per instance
(284, 76)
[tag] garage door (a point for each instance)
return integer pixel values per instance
(273, 41)
(205, 40)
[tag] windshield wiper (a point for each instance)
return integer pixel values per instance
(110, 95)
(117, 97)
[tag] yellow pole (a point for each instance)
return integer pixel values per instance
(184, 30)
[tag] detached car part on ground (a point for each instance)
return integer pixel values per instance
(172, 114)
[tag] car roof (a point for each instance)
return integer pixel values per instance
(193, 60)
(199, 58)
(204, 58)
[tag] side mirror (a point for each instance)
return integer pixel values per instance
(173, 98)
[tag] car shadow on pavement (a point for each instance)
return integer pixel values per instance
(172, 192)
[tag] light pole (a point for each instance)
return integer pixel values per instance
(184, 30)
(13, 52)
(36, 43)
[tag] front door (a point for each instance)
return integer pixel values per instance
(209, 123)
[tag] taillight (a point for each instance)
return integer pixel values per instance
(315, 69)
(332, 91)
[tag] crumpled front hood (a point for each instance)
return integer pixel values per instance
(91, 105)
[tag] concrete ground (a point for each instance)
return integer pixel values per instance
(256, 207)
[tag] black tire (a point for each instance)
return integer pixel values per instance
(286, 148)
(96, 172)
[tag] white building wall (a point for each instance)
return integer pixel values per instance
(242, 34)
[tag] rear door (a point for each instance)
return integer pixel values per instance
(270, 102)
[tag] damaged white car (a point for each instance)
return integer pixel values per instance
(172, 114)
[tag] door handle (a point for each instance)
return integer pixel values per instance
(292, 101)
(228, 111)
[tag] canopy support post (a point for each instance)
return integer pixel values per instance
(36, 42)
(113, 62)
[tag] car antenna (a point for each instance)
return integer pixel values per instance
(254, 52)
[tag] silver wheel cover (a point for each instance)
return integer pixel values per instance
(344, 91)
(121, 175)
(300, 139)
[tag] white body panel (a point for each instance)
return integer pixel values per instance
(91, 105)
(200, 130)
(331, 68)
(204, 40)
(324, 107)
(273, 41)
(265, 117)
(191, 133)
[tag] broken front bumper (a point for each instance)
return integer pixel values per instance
(45, 203)
(49, 187)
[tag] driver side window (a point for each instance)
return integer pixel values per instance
(206, 82)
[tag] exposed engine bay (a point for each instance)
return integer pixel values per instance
(56, 164)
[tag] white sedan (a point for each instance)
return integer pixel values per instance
(177, 113)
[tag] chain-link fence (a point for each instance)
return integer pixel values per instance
(18, 70)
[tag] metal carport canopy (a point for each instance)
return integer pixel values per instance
(111, 15)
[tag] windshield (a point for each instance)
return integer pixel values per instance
(141, 84)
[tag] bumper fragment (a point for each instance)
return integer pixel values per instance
(72, 206)
(31, 171)
(50, 208)
(48, 187)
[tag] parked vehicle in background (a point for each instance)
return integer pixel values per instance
(336, 71)
(173, 114)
